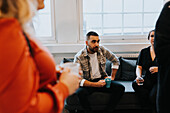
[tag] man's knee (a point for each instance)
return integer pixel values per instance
(82, 92)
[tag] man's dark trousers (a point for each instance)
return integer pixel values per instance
(116, 90)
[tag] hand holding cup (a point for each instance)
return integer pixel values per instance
(139, 80)
(69, 75)
(108, 82)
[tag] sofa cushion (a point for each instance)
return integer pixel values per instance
(128, 69)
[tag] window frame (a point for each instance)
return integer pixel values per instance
(115, 38)
(52, 39)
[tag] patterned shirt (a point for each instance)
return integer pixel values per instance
(83, 59)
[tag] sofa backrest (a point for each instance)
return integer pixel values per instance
(126, 71)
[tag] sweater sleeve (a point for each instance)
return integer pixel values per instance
(27, 84)
(59, 92)
(51, 96)
(50, 100)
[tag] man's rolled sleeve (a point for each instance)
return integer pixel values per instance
(82, 82)
(115, 66)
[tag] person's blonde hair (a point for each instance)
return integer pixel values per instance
(22, 10)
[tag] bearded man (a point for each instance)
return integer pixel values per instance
(92, 60)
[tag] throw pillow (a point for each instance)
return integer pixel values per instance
(128, 69)
(67, 60)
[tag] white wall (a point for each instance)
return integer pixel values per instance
(67, 31)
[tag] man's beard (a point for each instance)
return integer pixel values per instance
(95, 49)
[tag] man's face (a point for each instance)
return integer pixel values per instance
(93, 44)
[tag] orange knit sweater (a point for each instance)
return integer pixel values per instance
(27, 84)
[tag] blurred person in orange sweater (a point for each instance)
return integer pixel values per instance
(27, 69)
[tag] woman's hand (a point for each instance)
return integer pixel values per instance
(70, 80)
(139, 80)
(153, 69)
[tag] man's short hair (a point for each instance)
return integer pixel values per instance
(91, 33)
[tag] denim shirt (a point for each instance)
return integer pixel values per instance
(83, 59)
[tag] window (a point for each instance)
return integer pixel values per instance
(43, 23)
(120, 18)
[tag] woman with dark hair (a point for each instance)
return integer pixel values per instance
(145, 86)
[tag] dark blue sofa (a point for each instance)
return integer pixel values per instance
(125, 75)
